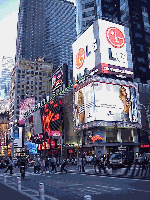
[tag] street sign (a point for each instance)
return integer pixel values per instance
(122, 148)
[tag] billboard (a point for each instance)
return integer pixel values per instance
(108, 47)
(18, 141)
(105, 102)
(25, 106)
(51, 118)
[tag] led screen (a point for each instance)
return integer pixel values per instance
(25, 106)
(51, 117)
(108, 102)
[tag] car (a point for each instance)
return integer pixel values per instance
(121, 159)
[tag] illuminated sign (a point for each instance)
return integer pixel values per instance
(80, 58)
(145, 146)
(51, 117)
(114, 49)
(115, 37)
(52, 143)
(97, 137)
(105, 101)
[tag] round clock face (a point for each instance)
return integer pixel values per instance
(115, 37)
(80, 58)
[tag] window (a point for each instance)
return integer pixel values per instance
(40, 83)
(141, 59)
(22, 86)
(140, 47)
(40, 88)
(138, 35)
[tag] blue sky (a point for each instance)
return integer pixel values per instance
(8, 27)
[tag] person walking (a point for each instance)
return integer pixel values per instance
(79, 163)
(64, 163)
(42, 162)
(96, 162)
(53, 164)
(46, 164)
(10, 165)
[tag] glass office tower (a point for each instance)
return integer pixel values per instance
(60, 32)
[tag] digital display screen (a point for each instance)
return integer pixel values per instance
(25, 106)
(51, 117)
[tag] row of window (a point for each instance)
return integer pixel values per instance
(88, 14)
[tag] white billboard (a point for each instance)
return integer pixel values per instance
(107, 102)
(104, 45)
(83, 52)
(18, 142)
(114, 44)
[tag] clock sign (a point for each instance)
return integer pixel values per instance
(115, 37)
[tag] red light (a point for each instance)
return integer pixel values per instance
(60, 102)
(55, 105)
(70, 151)
(51, 102)
(145, 146)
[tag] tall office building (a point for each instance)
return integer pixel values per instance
(131, 14)
(60, 32)
(30, 29)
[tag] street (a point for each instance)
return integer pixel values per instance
(75, 185)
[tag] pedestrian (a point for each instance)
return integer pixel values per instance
(79, 163)
(63, 165)
(37, 165)
(96, 162)
(46, 164)
(42, 165)
(10, 165)
(53, 164)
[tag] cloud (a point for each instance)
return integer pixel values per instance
(8, 35)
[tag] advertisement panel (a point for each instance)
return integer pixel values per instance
(84, 105)
(51, 118)
(108, 48)
(18, 142)
(106, 102)
(113, 44)
(25, 106)
(37, 122)
(112, 102)
(83, 52)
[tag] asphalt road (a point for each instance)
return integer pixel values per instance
(75, 186)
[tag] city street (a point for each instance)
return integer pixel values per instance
(75, 185)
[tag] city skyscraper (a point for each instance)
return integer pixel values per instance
(131, 14)
(46, 28)
(30, 29)
(60, 32)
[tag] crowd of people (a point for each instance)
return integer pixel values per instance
(44, 164)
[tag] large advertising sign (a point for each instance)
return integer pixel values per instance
(18, 141)
(25, 106)
(107, 48)
(51, 118)
(105, 102)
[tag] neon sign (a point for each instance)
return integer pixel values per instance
(145, 146)
(97, 137)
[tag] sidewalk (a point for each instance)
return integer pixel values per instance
(7, 193)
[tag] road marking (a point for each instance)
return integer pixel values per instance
(82, 174)
(116, 188)
(138, 190)
(93, 175)
(73, 173)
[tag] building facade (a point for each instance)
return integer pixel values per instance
(5, 78)
(60, 32)
(134, 16)
(30, 29)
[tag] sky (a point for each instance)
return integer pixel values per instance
(8, 28)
